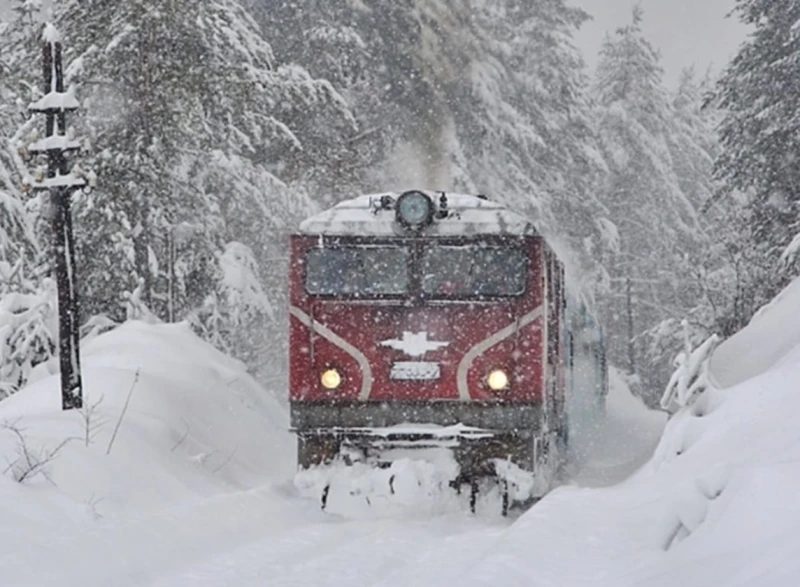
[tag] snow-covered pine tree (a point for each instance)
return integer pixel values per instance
(658, 222)
(238, 303)
(735, 278)
(693, 142)
(28, 325)
(190, 139)
(452, 95)
(693, 146)
(725, 282)
(28, 328)
(20, 58)
(323, 36)
(388, 61)
(524, 122)
(759, 93)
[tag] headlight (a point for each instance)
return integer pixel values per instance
(330, 379)
(497, 380)
(414, 210)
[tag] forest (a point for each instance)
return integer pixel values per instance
(212, 135)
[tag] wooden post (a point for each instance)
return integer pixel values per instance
(60, 184)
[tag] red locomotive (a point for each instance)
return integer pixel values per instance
(425, 318)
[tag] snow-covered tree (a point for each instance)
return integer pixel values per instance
(521, 100)
(191, 139)
(523, 118)
(372, 53)
(20, 40)
(759, 93)
(472, 95)
(324, 37)
(693, 142)
(28, 331)
(236, 316)
(656, 151)
(700, 296)
(28, 326)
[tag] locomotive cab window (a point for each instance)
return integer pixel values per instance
(357, 271)
(473, 271)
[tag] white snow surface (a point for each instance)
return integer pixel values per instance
(468, 215)
(51, 34)
(199, 489)
(772, 333)
(197, 432)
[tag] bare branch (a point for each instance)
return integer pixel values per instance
(122, 414)
(182, 438)
(91, 506)
(91, 425)
(226, 461)
(28, 465)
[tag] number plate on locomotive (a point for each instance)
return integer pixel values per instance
(415, 371)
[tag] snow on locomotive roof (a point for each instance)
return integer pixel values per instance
(365, 215)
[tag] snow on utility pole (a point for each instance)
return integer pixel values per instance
(60, 183)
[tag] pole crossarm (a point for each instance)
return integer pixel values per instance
(58, 181)
(54, 102)
(54, 143)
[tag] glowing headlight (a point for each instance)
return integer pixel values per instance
(497, 380)
(330, 379)
(414, 210)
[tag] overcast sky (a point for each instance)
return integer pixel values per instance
(685, 31)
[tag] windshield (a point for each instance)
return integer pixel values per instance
(357, 271)
(473, 271)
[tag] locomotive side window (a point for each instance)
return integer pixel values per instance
(473, 272)
(358, 271)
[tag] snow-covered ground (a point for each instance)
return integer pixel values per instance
(607, 450)
(196, 433)
(192, 484)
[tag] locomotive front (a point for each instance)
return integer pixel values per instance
(425, 321)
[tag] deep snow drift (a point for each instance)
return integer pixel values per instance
(195, 420)
(196, 428)
(771, 335)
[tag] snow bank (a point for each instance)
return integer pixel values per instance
(727, 471)
(195, 419)
(771, 334)
(196, 427)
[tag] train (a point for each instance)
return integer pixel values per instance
(423, 320)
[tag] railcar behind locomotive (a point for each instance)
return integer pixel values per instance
(427, 319)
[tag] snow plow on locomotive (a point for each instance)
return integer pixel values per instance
(424, 322)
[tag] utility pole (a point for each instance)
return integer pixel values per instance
(60, 183)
